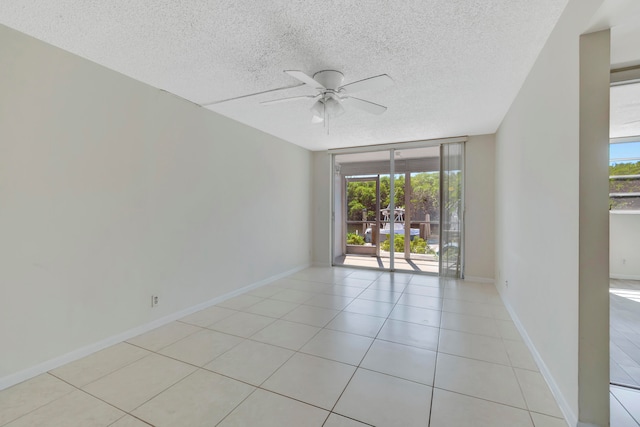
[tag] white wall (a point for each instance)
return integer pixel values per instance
(111, 191)
(537, 206)
(624, 229)
(479, 206)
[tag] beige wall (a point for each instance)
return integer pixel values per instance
(593, 353)
(321, 208)
(538, 215)
(479, 204)
(111, 191)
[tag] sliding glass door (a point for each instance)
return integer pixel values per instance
(361, 194)
(388, 206)
(363, 224)
(452, 212)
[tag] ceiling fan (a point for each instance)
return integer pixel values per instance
(332, 96)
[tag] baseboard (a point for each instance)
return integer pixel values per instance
(74, 355)
(479, 279)
(570, 417)
(624, 276)
(321, 264)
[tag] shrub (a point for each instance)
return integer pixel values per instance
(354, 239)
(417, 246)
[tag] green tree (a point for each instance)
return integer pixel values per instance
(425, 196)
(631, 185)
(385, 191)
(624, 169)
(361, 195)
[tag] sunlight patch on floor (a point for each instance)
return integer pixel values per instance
(630, 294)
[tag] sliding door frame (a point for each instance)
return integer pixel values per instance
(391, 149)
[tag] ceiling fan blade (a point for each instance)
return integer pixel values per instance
(304, 79)
(380, 82)
(368, 106)
(292, 98)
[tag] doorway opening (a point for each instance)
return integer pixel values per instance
(624, 234)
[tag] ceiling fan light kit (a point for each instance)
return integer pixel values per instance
(317, 109)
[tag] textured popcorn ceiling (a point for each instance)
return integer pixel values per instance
(457, 64)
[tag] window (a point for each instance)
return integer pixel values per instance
(624, 175)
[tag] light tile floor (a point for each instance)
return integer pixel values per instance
(324, 347)
(625, 331)
(625, 407)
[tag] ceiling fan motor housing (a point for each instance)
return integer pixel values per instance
(330, 79)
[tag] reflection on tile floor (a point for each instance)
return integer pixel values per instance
(323, 347)
(625, 331)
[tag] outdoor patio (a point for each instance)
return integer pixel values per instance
(426, 264)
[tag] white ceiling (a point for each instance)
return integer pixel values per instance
(457, 64)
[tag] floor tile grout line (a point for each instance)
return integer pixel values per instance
(541, 413)
(181, 320)
(298, 351)
(361, 360)
(149, 352)
(125, 412)
(122, 367)
(198, 368)
(624, 407)
(435, 366)
(348, 417)
(236, 407)
(133, 416)
(521, 388)
(288, 359)
(213, 372)
(200, 329)
(484, 361)
(357, 367)
(326, 418)
(484, 399)
(157, 394)
(45, 404)
(364, 356)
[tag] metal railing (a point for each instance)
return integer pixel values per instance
(370, 223)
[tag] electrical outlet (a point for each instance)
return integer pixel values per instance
(624, 261)
(506, 283)
(154, 300)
